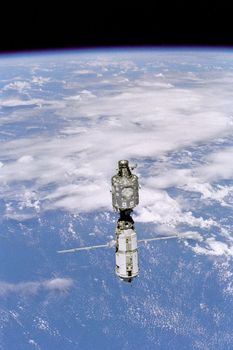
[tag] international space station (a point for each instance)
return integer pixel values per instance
(125, 197)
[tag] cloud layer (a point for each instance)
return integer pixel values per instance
(176, 123)
(28, 288)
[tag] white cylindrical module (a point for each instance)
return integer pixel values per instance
(127, 255)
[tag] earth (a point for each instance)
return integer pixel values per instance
(66, 118)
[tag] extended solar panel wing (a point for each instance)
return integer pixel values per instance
(157, 239)
(73, 250)
(189, 236)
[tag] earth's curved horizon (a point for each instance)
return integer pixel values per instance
(66, 118)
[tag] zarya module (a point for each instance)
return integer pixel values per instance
(124, 198)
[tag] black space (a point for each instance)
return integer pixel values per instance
(114, 24)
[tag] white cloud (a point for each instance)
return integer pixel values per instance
(59, 284)
(158, 207)
(106, 62)
(153, 83)
(28, 288)
(25, 159)
(193, 235)
(16, 102)
(219, 165)
(81, 198)
(83, 96)
(84, 72)
(18, 85)
(214, 247)
(40, 80)
(73, 98)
